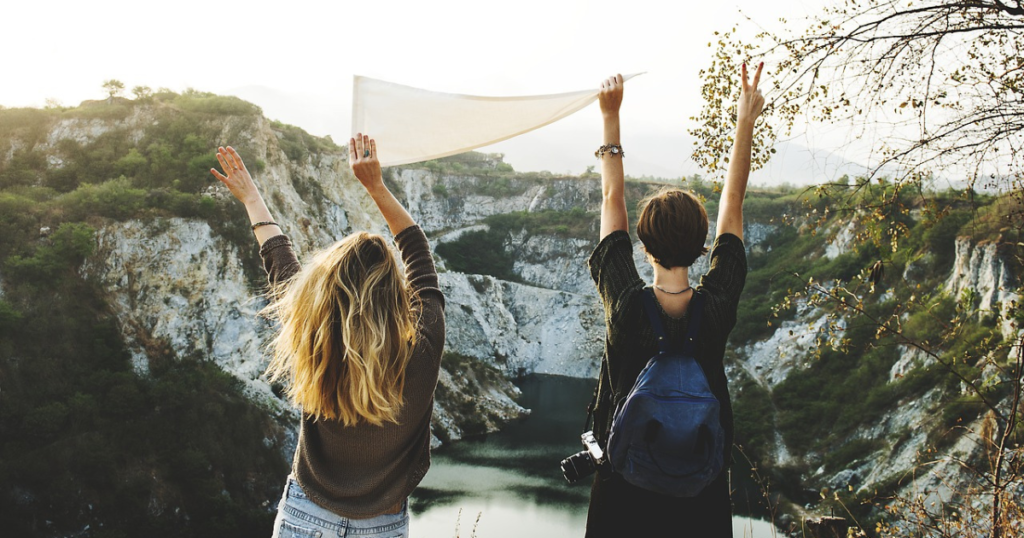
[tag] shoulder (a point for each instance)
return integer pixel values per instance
(728, 244)
(274, 243)
(412, 238)
(614, 245)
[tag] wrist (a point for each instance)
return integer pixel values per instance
(745, 123)
(377, 189)
(254, 201)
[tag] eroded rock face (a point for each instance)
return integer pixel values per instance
(177, 289)
(523, 329)
(982, 269)
(901, 433)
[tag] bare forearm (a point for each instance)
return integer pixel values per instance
(394, 214)
(258, 212)
(739, 164)
(730, 213)
(613, 205)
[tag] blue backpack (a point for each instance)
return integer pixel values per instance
(666, 435)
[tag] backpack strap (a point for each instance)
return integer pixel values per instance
(695, 311)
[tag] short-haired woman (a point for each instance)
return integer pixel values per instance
(672, 227)
(360, 346)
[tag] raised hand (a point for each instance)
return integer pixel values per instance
(237, 180)
(610, 97)
(241, 185)
(751, 101)
(362, 157)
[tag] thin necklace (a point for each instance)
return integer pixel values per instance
(663, 290)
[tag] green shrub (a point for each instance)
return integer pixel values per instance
(940, 238)
(115, 199)
(132, 164)
(28, 125)
(841, 390)
(298, 144)
(208, 103)
(479, 252)
(573, 223)
(24, 168)
(46, 421)
(9, 317)
(850, 451)
(962, 410)
(19, 222)
(101, 111)
(67, 248)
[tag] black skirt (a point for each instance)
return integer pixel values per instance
(619, 509)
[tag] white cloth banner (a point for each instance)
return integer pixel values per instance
(412, 125)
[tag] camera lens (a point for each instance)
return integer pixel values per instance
(578, 466)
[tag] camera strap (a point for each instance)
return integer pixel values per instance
(602, 381)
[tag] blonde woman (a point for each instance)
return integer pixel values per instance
(360, 346)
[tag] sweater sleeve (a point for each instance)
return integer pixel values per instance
(614, 272)
(419, 264)
(279, 259)
(726, 277)
(422, 275)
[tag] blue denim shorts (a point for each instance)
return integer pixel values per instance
(297, 516)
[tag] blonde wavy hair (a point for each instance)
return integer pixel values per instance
(348, 327)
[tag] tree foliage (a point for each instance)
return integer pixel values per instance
(113, 87)
(931, 88)
(945, 79)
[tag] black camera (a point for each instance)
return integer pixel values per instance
(584, 463)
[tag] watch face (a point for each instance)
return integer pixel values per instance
(615, 150)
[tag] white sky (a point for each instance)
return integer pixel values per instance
(296, 60)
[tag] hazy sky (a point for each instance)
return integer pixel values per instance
(296, 60)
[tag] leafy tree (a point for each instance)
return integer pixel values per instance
(946, 76)
(113, 87)
(142, 93)
(939, 86)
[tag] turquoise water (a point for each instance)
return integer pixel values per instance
(511, 480)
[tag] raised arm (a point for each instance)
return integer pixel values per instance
(241, 185)
(613, 202)
(362, 156)
(730, 209)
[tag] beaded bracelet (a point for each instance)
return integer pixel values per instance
(613, 149)
(264, 223)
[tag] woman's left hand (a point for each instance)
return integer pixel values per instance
(237, 180)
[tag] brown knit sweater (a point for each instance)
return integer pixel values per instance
(363, 471)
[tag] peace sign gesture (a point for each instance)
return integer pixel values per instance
(751, 101)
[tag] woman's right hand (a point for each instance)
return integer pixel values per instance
(362, 157)
(751, 101)
(237, 180)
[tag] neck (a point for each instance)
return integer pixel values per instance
(673, 279)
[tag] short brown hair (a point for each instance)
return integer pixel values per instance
(673, 226)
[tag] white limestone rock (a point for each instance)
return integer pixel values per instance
(523, 329)
(982, 269)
